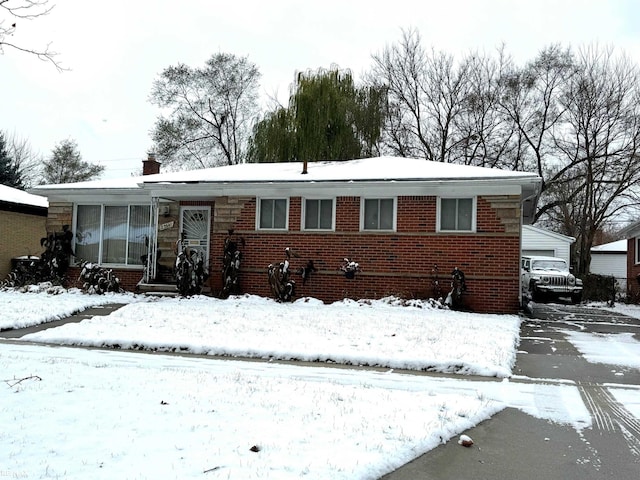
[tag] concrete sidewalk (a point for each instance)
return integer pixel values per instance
(514, 445)
(75, 318)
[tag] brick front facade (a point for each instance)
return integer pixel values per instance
(399, 263)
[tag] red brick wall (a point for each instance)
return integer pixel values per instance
(398, 263)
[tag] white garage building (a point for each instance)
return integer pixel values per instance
(538, 241)
(611, 259)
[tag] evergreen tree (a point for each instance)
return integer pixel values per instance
(9, 172)
(66, 166)
(328, 118)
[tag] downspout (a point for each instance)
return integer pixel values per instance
(534, 195)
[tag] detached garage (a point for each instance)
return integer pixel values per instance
(610, 259)
(538, 241)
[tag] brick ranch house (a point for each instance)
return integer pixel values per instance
(22, 225)
(396, 217)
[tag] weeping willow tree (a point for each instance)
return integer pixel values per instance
(328, 118)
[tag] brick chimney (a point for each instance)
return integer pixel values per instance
(150, 166)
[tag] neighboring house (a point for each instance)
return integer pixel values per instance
(396, 217)
(632, 234)
(540, 242)
(22, 225)
(610, 259)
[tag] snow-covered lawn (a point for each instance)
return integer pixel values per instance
(75, 413)
(378, 333)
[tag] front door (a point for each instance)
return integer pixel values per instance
(194, 229)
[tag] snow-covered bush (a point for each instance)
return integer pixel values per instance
(350, 268)
(96, 279)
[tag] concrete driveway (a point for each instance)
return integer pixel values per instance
(514, 445)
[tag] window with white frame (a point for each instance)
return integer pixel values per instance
(111, 234)
(318, 214)
(378, 214)
(637, 250)
(456, 214)
(272, 213)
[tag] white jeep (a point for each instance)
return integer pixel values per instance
(547, 278)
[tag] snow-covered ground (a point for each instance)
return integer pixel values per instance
(75, 413)
(40, 304)
(377, 333)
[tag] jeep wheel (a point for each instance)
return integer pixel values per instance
(576, 298)
(536, 295)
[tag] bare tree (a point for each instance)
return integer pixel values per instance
(444, 110)
(572, 118)
(485, 137)
(17, 11)
(599, 144)
(28, 163)
(208, 112)
(432, 100)
(531, 102)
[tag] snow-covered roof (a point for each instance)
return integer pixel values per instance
(20, 197)
(619, 246)
(368, 176)
(127, 183)
(367, 169)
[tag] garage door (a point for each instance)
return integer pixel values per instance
(539, 253)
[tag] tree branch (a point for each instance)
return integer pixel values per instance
(27, 10)
(17, 382)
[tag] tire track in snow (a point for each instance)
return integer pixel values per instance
(601, 418)
(628, 424)
(611, 416)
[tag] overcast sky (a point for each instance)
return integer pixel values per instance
(115, 49)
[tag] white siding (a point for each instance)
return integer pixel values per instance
(609, 264)
(611, 259)
(536, 241)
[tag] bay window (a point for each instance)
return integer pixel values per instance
(111, 234)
